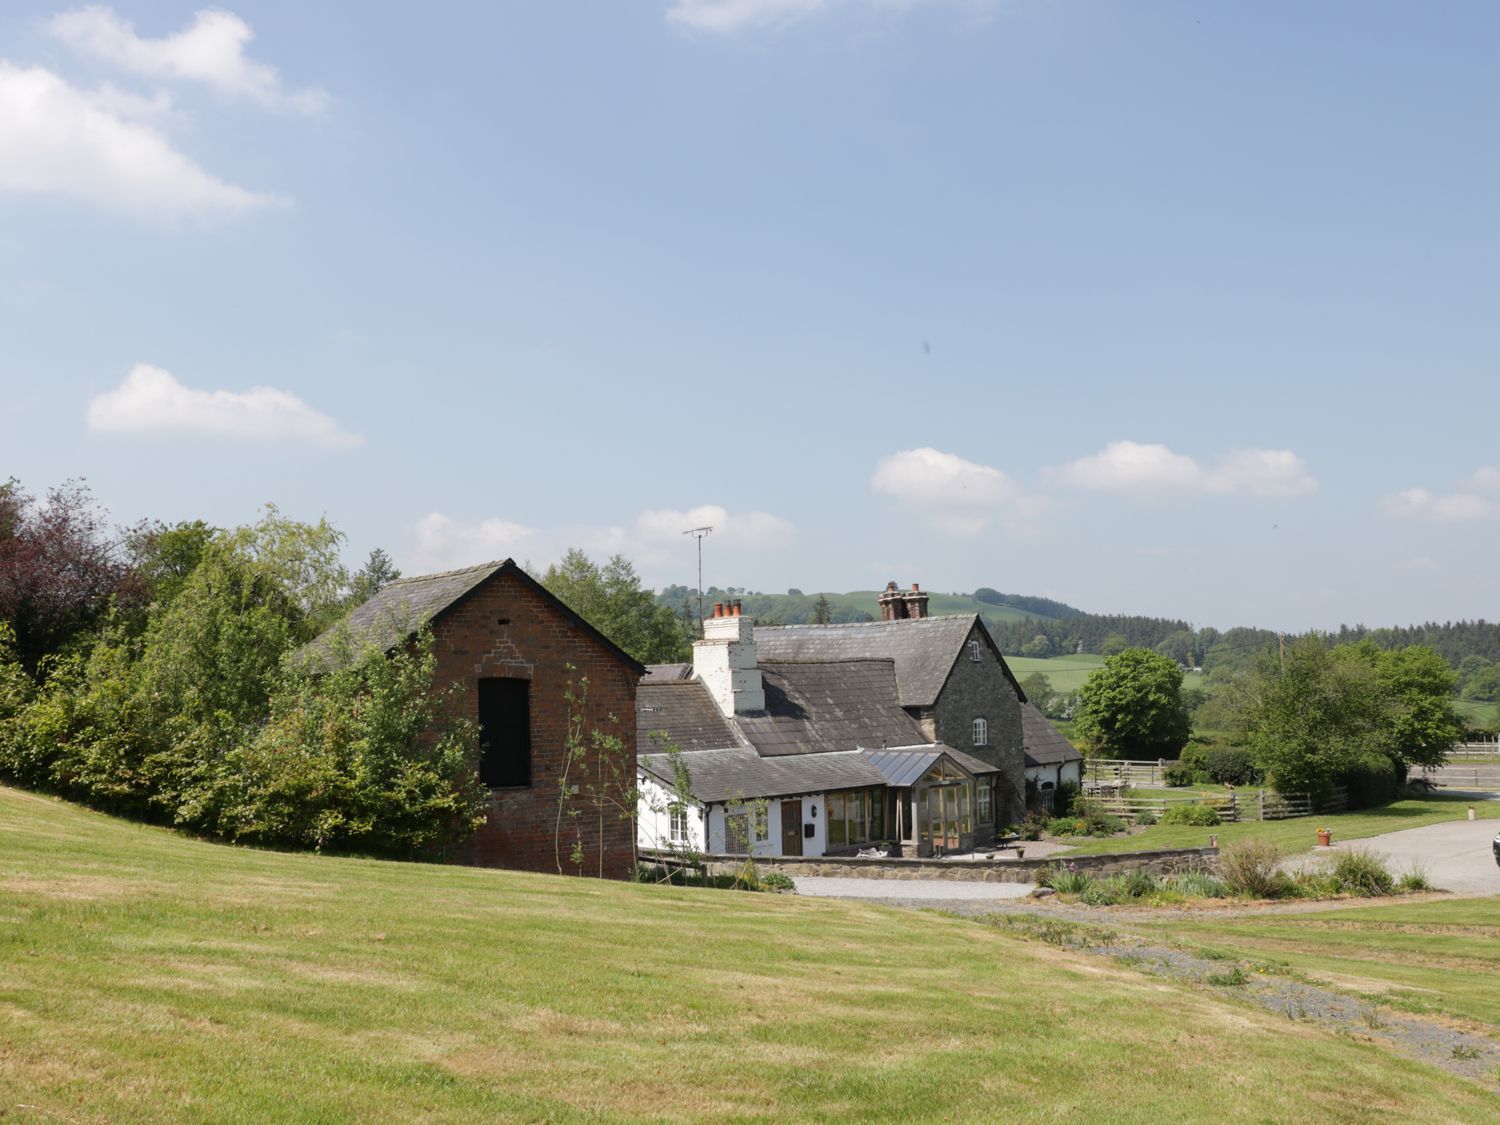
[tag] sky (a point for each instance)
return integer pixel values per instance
(1182, 309)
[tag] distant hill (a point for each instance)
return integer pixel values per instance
(795, 607)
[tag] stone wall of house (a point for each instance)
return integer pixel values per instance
(507, 628)
(999, 870)
(980, 690)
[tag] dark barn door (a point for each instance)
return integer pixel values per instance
(505, 732)
(791, 827)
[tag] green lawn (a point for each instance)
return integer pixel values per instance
(1473, 711)
(1438, 957)
(145, 976)
(1298, 833)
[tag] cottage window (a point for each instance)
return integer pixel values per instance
(981, 732)
(679, 824)
(973, 651)
(504, 732)
(737, 833)
(985, 815)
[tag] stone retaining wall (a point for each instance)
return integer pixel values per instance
(1165, 862)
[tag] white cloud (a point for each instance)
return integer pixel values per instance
(961, 497)
(151, 400)
(1455, 507)
(1485, 479)
(654, 542)
(211, 50)
(734, 15)
(1128, 466)
(59, 140)
(443, 543)
(745, 529)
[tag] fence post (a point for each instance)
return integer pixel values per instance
(1260, 813)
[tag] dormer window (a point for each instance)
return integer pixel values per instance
(981, 732)
(974, 651)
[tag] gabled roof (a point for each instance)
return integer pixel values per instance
(667, 673)
(395, 614)
(904, 767)
(924, 649)
(740, 774)
(819, 707)
(1043, 743)
(680, 712)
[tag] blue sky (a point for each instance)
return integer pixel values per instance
(1173, 308)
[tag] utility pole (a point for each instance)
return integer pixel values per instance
(1281, 640)
(699, 533)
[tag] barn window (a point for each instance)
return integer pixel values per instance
(974, 651)
(981, 732)
(505, 732)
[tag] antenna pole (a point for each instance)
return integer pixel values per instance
(699, 533)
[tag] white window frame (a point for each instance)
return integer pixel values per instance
(986, 804)
(760, 825)
(981, 732)
(677, 822)
(974, 652)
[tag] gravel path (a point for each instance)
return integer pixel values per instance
(926, 893)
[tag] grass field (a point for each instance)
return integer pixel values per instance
(1431, 957)
(1065, 673)
(1298, 833)
(1473, 711)
(151, 977)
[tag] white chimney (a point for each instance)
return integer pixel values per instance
(725, 661)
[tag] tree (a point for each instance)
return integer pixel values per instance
(377, 573)
(1113, 644)
(1039, 646)
(60, 566)
(1038, 689)
(610, 598)
(1132, 707)
(822, 611)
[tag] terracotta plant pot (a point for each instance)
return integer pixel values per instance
(1325, 838)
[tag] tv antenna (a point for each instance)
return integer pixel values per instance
(699, 533)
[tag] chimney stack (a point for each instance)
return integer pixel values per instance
(892, 604)
(726, 663)
(916, 602)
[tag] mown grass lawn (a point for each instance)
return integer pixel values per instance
(1441, 957)
(1299, 833)
(145, 976)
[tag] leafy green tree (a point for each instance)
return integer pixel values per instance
(610, 598)
(1132, 707)
(1039, 646)
(1038, 689)
(822, 611)
(1113, 644)
(164, 555)
(377, 573)
(1417, 717)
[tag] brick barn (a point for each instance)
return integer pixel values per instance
(510, 643)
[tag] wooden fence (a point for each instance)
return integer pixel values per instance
(1238, 805)
(1466, 750)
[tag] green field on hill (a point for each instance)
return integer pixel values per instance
(1065, 673)
(148, 976)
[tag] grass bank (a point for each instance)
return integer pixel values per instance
(152, 977)
(1299, 833)
(1431, 957)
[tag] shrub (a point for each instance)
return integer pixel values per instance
(1415, 879)
(1196, 884)
(1195, 755)
(1069, 882)
(1372, 782)
(1362, 872)
(1178, 775)
(1033, 825)
(1230, 765)
(1068, 826)
(1139, 883)
(1198, 816)
(1065, 798)
(1104, 892)
(1253, 867)
(1145, 818)
(778, 881)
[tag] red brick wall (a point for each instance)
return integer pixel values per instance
(537, 643)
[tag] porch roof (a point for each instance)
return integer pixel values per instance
(740, 774)
(904, 766)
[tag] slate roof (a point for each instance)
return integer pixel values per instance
(402, 607)
(825, 706)
(904, 767)
(1043, 743)
(667, 673)
(742, 774)
(683, 713)
(924, 649)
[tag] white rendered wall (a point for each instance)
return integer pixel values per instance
(653, 825)
(811, 846)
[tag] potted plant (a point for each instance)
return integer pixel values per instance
(1325, 838)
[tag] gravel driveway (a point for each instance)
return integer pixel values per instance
(1456, 855)
(924, 891)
